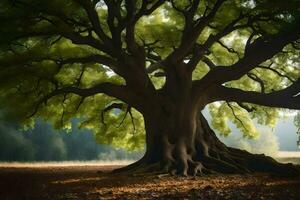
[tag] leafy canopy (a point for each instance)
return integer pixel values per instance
(46, 45)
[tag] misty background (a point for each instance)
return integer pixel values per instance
(43, 143)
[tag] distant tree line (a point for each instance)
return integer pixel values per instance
(43, 143)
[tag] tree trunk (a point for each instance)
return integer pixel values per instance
(190, 147)
(179, 140)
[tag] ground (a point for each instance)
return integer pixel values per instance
(95, 182)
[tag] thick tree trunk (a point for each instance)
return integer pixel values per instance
(180, 141)
(188, 146)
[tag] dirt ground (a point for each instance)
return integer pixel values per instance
(95, 182)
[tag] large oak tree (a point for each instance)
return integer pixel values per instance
(109, 62)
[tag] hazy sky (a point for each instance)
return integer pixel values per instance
(287, 135)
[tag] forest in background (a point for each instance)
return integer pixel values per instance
(44, 143)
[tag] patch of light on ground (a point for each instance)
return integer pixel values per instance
(65, 163)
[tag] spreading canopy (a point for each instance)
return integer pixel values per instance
(95, 60)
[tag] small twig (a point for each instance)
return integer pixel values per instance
(237, 118)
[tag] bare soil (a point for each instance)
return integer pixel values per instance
(96, 182)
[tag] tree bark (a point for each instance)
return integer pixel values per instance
(179, 139)
(182, 143)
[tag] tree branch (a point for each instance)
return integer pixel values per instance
(257, 52)
(204, 48)
(209, 63)
(133, 15)
(112, 64)
(109, 108)
(229, 49)
(236, 116)
(114, 13)
(118, 91)
(192, 35)
(285, 98)
(94, 18)
(255, 78)
(276, 72)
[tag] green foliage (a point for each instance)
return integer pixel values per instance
(266, 143)
(32, 53)
(163, 26)
(32, 69)
(222, 113)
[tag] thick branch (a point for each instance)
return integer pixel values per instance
(209, 63)
(192, 34)
(94, 18)
(257, 52)
(91, 59)
(118, 91)
(112, 64)
(114, 13)
(213, 38)
(106, 88)
(285, 98)
(133, 15)
(234, 25)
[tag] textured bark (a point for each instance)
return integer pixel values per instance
(179, 139)
(182, 149)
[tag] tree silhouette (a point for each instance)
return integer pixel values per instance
(109, 62)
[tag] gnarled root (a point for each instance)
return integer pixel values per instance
(204, 154)
(232, 162)
(176, 160)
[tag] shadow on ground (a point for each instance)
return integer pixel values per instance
(85, 182)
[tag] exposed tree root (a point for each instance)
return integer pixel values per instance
(262, 163)
(238, 162)
(206, 154)
(218, 159)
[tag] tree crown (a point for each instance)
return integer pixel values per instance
(96, 60)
